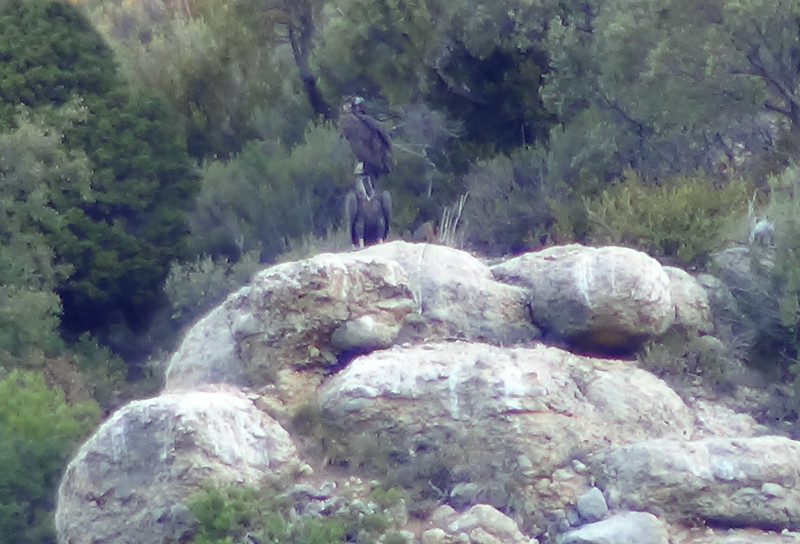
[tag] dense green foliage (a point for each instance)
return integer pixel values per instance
(227, 515)
(772, 305)
(268, 195)
(39, 174)
(194, 288)
(135, 226)
(119, 221)
(48, 52)
(681, 219)
(38, 432)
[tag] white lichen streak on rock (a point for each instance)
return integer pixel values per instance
(583, 273)
(453, 381)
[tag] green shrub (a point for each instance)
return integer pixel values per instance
(120, 234)
(104, 370)
(223, 514)
(508, 209)
(37, 173)
(387, 497)
(228, 515)
(195, 287)
(680, 219)
(268, 197)
(38, 432)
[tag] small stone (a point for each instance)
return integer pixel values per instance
(443, 513)
(573, 517)
(592, 505)
(434, 536)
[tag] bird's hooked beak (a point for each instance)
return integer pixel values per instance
(351, 103)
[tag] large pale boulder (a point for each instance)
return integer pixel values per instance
(499, 418)
(129, 481)
(680, 534)
(210, 352)
(606, 299)
(486, 525)
(306, 314)
(736, 482)
(457, 296)
(692, 308)
(623, 528)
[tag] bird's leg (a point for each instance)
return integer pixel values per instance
(370, 187)
(364, 186)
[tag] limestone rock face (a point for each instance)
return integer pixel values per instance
(418, 366)
(209, 352)
(707, 535)
(127, 482)
(692, 308)
(638, 527)
(477, 408)
(307, 313)
(486, 525)
(733, 481)
(458, 297)
(606, 299)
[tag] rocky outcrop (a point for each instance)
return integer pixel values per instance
(736, 482)
(295, 322)
(417, 366)
(481, 523)
(458, 297)
(639, 527)
(479, 410)
(595, 299)
(130, 481)
(692, 307)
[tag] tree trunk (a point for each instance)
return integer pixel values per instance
(300, 39)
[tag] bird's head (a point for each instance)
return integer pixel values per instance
(352, 103)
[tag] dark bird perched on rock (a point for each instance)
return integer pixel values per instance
(368, 212)
(368, 139)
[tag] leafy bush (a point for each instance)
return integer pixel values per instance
(680, 219)
(212, 61)
(268, 196)
(228, 515)
(49, 51)
(120, 236)
(38, 431)
(195, 287)
(508, 208)
(38, 174)
(333, 241)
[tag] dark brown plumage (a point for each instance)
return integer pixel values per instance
(369, 141)
(368, 213)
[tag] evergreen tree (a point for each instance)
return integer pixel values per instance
(48, 52)
(120, 239)
(37, 174)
